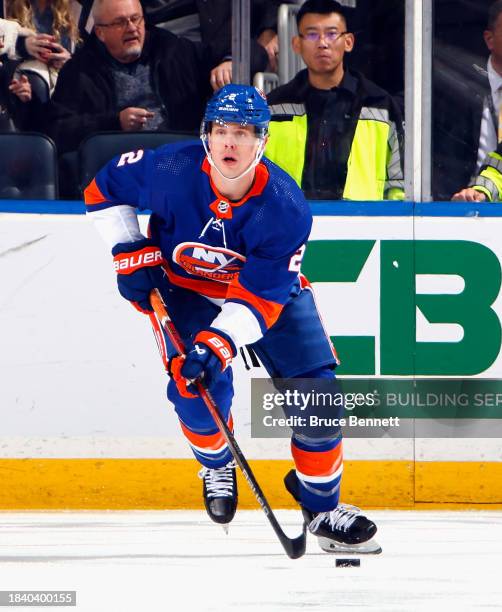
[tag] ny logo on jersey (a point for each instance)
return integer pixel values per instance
(210, 256)
(216, 263)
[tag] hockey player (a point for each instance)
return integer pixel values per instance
(226, 238)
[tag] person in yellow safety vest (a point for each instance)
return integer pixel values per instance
(335, 132)
(487, 185)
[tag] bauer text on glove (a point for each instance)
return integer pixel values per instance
(139, 270)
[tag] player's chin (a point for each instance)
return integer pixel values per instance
(230, 167)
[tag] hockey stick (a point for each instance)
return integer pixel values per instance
(294, 547)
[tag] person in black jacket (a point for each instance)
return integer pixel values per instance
(344, 134)
(126, 77)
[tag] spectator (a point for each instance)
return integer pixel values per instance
(10, 32)
(210, 22)
(56, 34)
(490, 125)
(127, 78)
(217, 30)
(467, 100)
(15, 88)
(487, 185)
(344, 133)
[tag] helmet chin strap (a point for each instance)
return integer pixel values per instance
(252, 165)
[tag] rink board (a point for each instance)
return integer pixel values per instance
(121, 484)
(85, 422)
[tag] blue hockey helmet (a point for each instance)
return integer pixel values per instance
(241, 104)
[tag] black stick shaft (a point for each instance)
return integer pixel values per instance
(294, 547)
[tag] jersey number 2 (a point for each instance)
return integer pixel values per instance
(295, 263)
(130, 158)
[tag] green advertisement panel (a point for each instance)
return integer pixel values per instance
(395, 345)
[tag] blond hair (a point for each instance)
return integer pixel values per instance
(62, 24)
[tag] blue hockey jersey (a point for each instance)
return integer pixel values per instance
(246, 253)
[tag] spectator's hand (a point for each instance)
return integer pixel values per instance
(58, 56)
(21, 88)
(39, 46)
(133, 119)
(269, 41)
(469, 195)
(221, 75)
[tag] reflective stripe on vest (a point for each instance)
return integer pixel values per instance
(491, 176)
(374, 162)
(493, 161)
(489, 185)
(367, 165)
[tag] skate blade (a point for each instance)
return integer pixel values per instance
(371, 547)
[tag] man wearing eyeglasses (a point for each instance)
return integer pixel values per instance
(344, 133)
(128, 77)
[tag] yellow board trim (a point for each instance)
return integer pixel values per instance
(134, 484)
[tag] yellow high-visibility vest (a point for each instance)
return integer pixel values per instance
(373, 168)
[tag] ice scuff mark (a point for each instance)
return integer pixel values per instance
(22, 246)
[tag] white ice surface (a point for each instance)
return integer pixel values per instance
(178, 560)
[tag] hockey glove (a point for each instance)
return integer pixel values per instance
(139, 270)
(210, 355)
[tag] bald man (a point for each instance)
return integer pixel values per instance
(128, 77)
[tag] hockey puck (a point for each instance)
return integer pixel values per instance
(348, 562)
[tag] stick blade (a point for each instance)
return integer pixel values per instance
(296, 547)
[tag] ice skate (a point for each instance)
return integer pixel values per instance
(342, 530)
(220, 493)
(345, 529)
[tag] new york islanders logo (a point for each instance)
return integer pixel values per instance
(215, 263)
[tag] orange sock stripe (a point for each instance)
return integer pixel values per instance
(211, 442)
(270, 311)
(313, 463)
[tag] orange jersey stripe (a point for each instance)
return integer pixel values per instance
(212, 289)
(211, 442)
(304, 282)
(270, 311)
(313, 463)
(93, 195)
